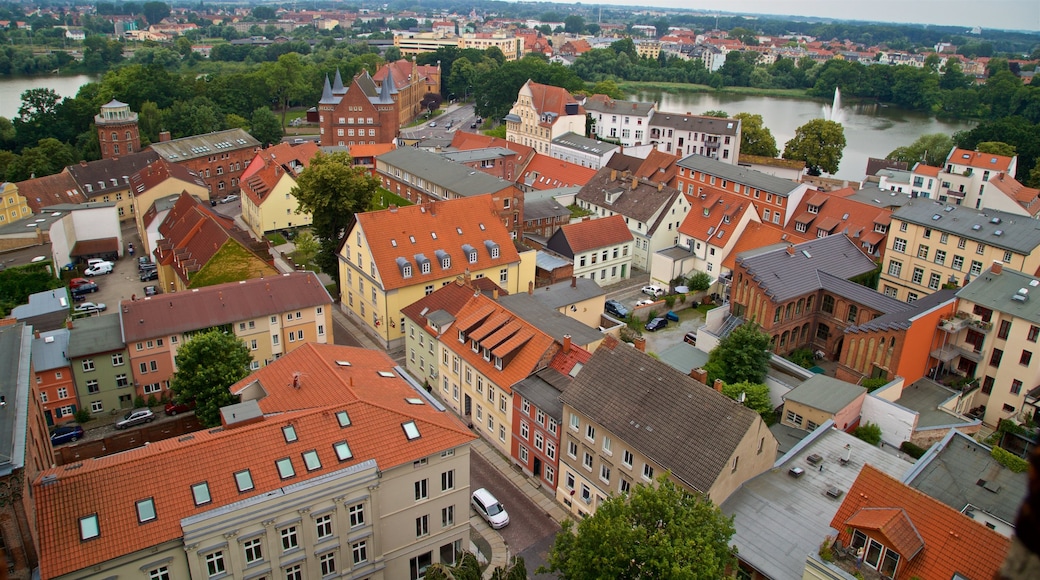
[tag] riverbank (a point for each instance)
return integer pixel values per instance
(633, 87)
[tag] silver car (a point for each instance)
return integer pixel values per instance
(136, 417)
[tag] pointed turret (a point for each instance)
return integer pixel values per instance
(337, 85)
(327, 97)
(387, 90)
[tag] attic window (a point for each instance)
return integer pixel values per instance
(433, 235)
(343, 418)
(411, 431)
(414, 401)
(482, 227)
(459, 230)
(88, 527)
(342, 451)
(393, 242)
(290, 433)
(387, 374)
(343, 363)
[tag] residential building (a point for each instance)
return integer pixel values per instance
(821, 399)
(625, 122)
(117, 130)
(513, 166)
(581, 150)
(544, 172)
(267, 184)
(53, 376)
(925, 181)
(801, 295)
(199, 247)
(653, 211)
(756, 236)
(13, 206)
(412, 82)
(966, 174)
(906, 534)
(684, 135)
(365, 155)
(412, 43)
(108, 180)
(542, 113)
(538, 414)
(272, 316)
(772, 544)
(822, 214)
(931, 244)
(44, 311)
(627, 420)
(100, 365)
(647, 48)
(495, 161)
(511, 46)
(601, 249)
(423, 177)
(996, 317)
(219, 158)
(394, 257)
(1017, 198)
(157, 181)
(360, 113)
(579, 298)
(775, 198)
(25, 451)
(904, 343)
(350, 470)
(40, 192)
(544, 213)
(708, 234)
(85, 230)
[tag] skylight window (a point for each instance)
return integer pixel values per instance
(387, 374)
(290, 433)
(145, 510)
(200, 493)
(343, 418)
(244, 480)
(414, 401)
(310, 459)
(343, 363)
(285, 468)
(411, 431)
(88, 527)
(342, 451)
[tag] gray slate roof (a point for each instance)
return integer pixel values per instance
(215, 143)
(48, 351)
(562, 294)
(1016, 233)
(613, 107)
(901, 319)
(639, 204)
(470, 155)
(784, 276)
(861, 294)
(743, 175)
(99, 174)
(995, 291)
(539, 209)
(710, 125)
(548, 320)
(681, 424)
(543, 389)
(952, 469)
(571, 140)
(40, 303)
(437, 170)
(14, 386)
(825, 393)
(95, 335)
(683, 357)
(779, 519)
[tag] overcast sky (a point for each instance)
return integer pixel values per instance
(1006, 14)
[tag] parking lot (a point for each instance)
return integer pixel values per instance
(124, 282)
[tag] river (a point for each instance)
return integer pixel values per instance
(870, 129)
(11, 89)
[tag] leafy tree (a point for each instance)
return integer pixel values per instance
(264, 127)
(755, 137)
(869, 432)
(717, 113)
(264, 13)
(467, 568)
(307, 248)
(514, 570)
(574, 24)
(608, 87)
(699, 281)
(154, 12)
(741, 357)
(332, 190)
(392, 54)
(654, 531)
(756, 398)
(996, 148)
(285, 79)
(930, 149)
(207, 365)
(819, 144)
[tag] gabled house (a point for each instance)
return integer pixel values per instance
(412, 82)
(965, 176)
(218, 157)
(267, 184)
(100, 365)
(394, 257)
(542, 113)
(627, 122)
(601, 249)
(822, 214)
(709, 233)
(108, 180)
(581, 150)
(159, 180)
(13, 205)
(627, 420)
(1017, 198)
(545, 172)
(821, 399)
(684, 135)
(53, 375)
(774, 197)
(38, 193)
(360, 113)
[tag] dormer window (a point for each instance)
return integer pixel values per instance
(799, 227)
(487, 353)
(407, 271)
(498, 362)
(814, 209)
(462, 337)
(470, 252)
(474, 345)
(881, 228)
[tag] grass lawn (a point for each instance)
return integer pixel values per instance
(275, 238)
(384, 197)
(704, 308)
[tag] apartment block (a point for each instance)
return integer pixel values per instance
(601, 250)
(542, 113)
(627, 122)
(685, 134)
(219, 157)
(101, 365)
(53, 376)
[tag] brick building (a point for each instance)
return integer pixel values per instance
(359, 114)
(117, 130)
(219, 157)
(412, 81)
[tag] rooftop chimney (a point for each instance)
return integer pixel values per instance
(566, 343)
(699, 375)
(718, 384)
(530, 287)
(36, 333)
(613, 174)
(494, 294)
(660, 185)
(640, 343)
(998, 267)
(164, 136)
(635, 182)
(790, 250)
(574, 281)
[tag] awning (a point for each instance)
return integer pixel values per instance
(95, 247)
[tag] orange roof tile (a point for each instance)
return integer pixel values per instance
(165, 470)
(550, 99)
(159, 171)
(707, 218)
(370, 150)
(599, 233)
(929, 170)
(544, 172)
(271, 165)
(658, 167)
(839, 214)
(990, 161)
(757, 235)
(406, 232)
(54, 189)
(1025, 196)
(952, 542)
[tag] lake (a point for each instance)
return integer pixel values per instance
(871, 130)
(11, 89)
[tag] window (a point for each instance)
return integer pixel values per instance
(357, 515)
(422, 526)
(254, 552)
(590, 432)
(958, 262)
(570, 480)
(553, 426)
(92, 387)
(604, 472)
(200, 492)
(88, 364)
(626, 458)
(1025, 358)
(244, 480)
(448, 480)
(524, 430)
(311, 461)
(899, 245)
(290, 539)
(933, 280)
(145, 510)
(448, 516)
(421, 489)
(587, 460)
(922, 252)
(215, 564)
(160, 573)
(539, 441)
(918, 276)
(550, 450)
(625, 485)
(327, 562)
(417, 566)
(853, 312)
(117, 359)
(794, 418)
(586, 493)
(896, 268)
(1034, 332)
(995, 356)
(828, 304)
(572, 450)
(122, 381)
(1005, 329)
(976, 268)
(574, 422)
(940, 257)
(648, 472)
(1016, 387)
(285, 468)
(360, 551)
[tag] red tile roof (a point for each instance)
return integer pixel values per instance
(544, 172)
(598, 233)
(952, 542)
(159, 171)
(757, 235)
(165, 470)
(179, 312)
(658, 167)
(271, 165)
(550, 99)
(1027, 197)
(990, 161)
(405, 232)
(707, 218)
(54, 189)
(839, 214)
(928, 170)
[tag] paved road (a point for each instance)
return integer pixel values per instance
(461, 119)
(341, 335)
(530, 530)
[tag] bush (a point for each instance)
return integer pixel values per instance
(870, 433)
(912, 450)
(825, 551)
(670, 301)
(802, 357)
(699, 281)
(682, 298)
(874, 383)
(138, 402)
(152, 401)
(82, 416)
(1009, 460)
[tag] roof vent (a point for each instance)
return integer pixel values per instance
(976, 227)
(1034, 283)
(998, 233)
(806, 253)
(814, 459)
(995, 220)
(834, 492)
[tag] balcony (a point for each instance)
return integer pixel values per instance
(954, 325)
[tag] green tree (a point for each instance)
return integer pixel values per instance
(307, 248)
(332, 190)
(574, 24)
(869, 432)
(154, 12)
(207, 365)
(608, 87)
(513, 570)
(754, 396)
(741, 357)
(930, 149)
(265, 127)
(467, 568)
(286, 79)
(717, 113)
(653, 531)
(755, 137)
(996, 148)
(819, 144)
(699, 281)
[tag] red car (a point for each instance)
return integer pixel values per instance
(77, 282)
(173, 407)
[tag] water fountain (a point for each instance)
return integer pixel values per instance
(834, 112)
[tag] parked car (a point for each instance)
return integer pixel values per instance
(151, 274)
(91, 307)
(690, 338)
(76, 283)
(66, 434)
(92, 261)
(473, 125)
(152, 290)
(493, 512)
(144, 262)
(656, 324)
(616, 308)
(671, 316)
(84, 288)
(433, 123)
(172, 408)
(135, 417)
(653, 290)
(99, 269)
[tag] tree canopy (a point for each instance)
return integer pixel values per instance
(930, 149)
(996, 148)
(265, 127)
(207, 365)
(755, 397)
(332, 190)
(755, 137)
(819, 144)
(654, 531)
(741, 357)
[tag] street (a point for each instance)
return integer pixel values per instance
(530, 531)
(460, 118)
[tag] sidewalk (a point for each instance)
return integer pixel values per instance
(530, 486)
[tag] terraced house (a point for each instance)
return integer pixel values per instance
(101, 365)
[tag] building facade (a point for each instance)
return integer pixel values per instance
(542, 113)
(219, 158)
(360, 113)
(627, 122)
(54, 376)
(101, 365)
(684, 135)
(267, 200)
(117, 130)
(600, 249)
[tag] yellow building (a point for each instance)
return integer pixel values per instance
(931, 244)
(412, 43)
(393, 257)
(542, 113)
(648, 48)
(267, 184)
(13, 206)
(419, 42)
(511, 46)
(159, 180)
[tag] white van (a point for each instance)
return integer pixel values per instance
(98, 269)
(488, 507)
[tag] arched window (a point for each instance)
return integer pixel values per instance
(828, 304)
(128, 137)
(853, 312)
(114, 136)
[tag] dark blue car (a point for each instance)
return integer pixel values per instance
(66, 434)
(656, 324)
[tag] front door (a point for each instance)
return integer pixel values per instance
(469, 405)
(537, 467)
